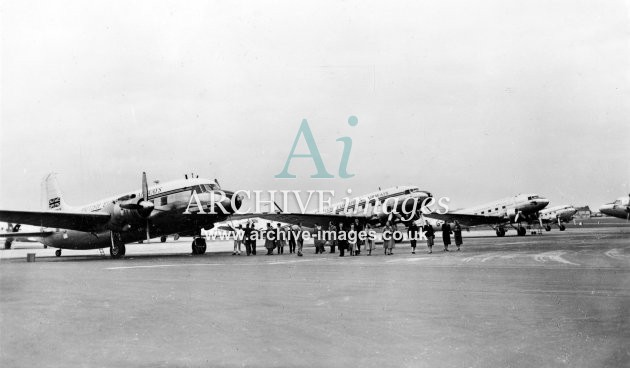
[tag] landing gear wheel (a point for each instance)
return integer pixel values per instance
(7, 244)
(547, 228)
(163, 239)
(45, 246)
(58, 253)
(563, 228)
(117, 248)
(199, 246)
(117, 251)
(521, 231)
(500, 232)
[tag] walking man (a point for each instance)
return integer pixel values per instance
(246, 241)
(446, 235)
(457, 233)
(430, 235)
(341, 239)
(333, 240)
(412, 232)
(300, 239)
(359, 229)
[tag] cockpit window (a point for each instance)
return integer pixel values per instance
(209, 187)
(617, 202)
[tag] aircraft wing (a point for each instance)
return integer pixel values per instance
(225, 228)
(80, 221)
(26, 235)
(310, 219)
(468, 220)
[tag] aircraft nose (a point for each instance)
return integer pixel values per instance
(605, 208)
(424, 194)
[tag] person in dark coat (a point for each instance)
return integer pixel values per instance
(412, 232)
(291, 234)
(446, 235)
(270, 239)
(253, 235)
(359, 229)
(246, 241)
(429, 233)
(342, 239)
(281, 238)
(457, 232)
(333, 239)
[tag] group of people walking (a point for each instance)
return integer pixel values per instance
(342, 238)
(279, 237)
(429, 233)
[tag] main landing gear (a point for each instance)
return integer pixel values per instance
(58, 253)
(547, 228)
(7, 244)
(562, 227)
(117, 249)
(521, 231)
(199, 246)
(500, 231)
(162, 239)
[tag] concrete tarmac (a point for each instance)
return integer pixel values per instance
(557, 299)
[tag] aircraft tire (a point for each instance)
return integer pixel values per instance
(117, 247)
(58, 253)
(563, 228)
(117, 252)
(163, 239)
(547, 228)
(199, 246)
(521, 231)
(7, 244)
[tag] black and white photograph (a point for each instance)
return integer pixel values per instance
(276, 183)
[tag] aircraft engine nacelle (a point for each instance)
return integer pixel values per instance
(226, 202)
(382, 217)
(130, 212)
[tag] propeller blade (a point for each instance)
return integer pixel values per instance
(217, 182)
(147, 229)
(145, 187)
(278, 207)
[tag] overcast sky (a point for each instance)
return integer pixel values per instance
(471, 100)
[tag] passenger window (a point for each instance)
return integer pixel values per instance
(163, 201)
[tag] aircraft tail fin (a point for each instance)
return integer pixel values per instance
(52, 198)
